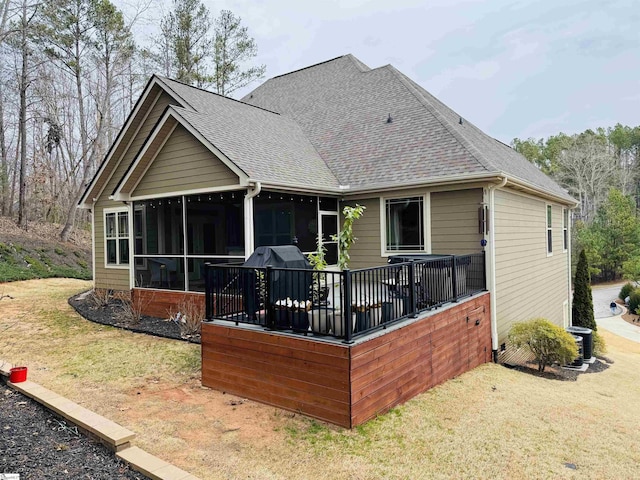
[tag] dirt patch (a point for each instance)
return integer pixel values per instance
(39, 444)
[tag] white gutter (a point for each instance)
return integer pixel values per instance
(249, 237)
(491, 266)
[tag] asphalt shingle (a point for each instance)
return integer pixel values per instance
(341, 123)
(343, 107)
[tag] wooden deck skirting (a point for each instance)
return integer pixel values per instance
(162, 303)
(348, 384)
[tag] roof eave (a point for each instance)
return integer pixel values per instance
(541, 192)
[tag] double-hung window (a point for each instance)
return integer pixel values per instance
(549, 231)
(404, 219)
(565, 229)
(116, 233)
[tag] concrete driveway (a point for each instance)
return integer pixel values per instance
(602, 297)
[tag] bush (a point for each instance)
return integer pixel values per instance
(548, 342)
(634, 300)
(189, 316)
(626, 290)
(599, 346)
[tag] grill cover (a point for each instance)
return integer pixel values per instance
(295, 285)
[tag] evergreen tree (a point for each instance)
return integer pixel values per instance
(233, 47)
(582, 308)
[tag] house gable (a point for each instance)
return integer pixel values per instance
(144, 115)
(183, 164)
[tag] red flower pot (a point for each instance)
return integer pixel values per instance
(18, 374)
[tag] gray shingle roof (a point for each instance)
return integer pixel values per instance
(327, 125)
(343, 106)
(265, 145)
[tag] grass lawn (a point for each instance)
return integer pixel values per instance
(489, 423)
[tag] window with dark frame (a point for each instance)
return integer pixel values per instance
(549, 231)
(565, 229)
(404, 224)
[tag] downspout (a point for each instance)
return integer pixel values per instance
(249, 237)
(491, 266)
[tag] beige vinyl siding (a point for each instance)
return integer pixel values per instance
(366, 251)
(529, 283)
(118, 278)
(454, 221)
(454, 224)
(184, 163)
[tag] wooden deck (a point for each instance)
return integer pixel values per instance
(348, 384)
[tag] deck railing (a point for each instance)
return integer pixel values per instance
(342, 304)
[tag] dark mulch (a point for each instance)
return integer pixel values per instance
(557, 373)
(113, 315)
(38, 444)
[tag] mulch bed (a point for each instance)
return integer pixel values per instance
(113, 315)
(37, 444)
(557, 373)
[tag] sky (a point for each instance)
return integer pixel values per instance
(514, 68)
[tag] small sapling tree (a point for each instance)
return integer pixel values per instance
(582, 308)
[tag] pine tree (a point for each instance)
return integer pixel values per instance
(582, 308)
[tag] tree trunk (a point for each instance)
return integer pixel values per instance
(4, 165)
(84, 162)
(22, 217)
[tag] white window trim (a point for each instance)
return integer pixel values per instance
(426, 224)
(548, 228)
(565, 229)
(116, 210)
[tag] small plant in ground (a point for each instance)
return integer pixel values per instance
(189, 316)
(599, 345)
(582, 308)
(626, 290)
(548, 342)
(101, 297)
(133, 308)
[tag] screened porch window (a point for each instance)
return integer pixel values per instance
(405, 224)
(175, 236)
(286, 219)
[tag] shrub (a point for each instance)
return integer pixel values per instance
(189, 316)
(626, 290)
(599, 345)
(548, 342)
(634, 300)
(133, 306)
(582, 306)
(100, 297)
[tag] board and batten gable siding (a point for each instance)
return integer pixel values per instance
(453, 219)
(184, 163)
(529, 283)
(118, 278)
(454, 222)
